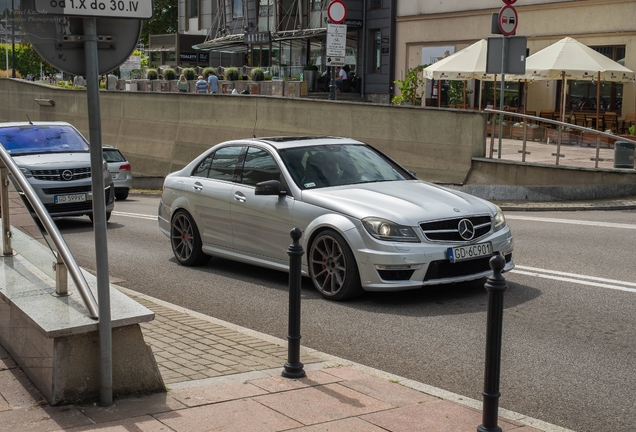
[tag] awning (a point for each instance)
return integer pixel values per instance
(231, 44)
(234, 43)
(161, 49)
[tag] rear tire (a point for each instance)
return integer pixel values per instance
(333, 268)
(186, 240)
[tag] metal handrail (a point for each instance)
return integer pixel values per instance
(556, 122)
(562, 126)
(51, 229)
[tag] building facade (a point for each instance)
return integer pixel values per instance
(427, 29)
(284, 36)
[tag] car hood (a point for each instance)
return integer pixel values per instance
(404, 202)
(54, 160)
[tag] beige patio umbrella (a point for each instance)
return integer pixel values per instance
(467, 64)
(570, 59)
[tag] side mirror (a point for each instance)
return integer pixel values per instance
(269, 187)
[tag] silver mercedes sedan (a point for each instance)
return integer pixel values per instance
(367, 223)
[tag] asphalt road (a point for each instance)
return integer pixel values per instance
(569, 322)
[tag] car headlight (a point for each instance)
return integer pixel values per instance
(499, 221)
(105, 166)
(26, 172)
(386, 230)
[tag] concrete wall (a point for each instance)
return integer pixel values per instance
(161, 132)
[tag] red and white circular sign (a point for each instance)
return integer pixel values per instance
(509, 2)
(508, 20)
(337, 11)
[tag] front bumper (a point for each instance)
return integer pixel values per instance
(398, 266)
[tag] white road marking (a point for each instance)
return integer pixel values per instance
(135, 215)
(576, 278)
(573, 222)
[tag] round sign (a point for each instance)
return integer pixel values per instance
(337, 11)
(59, 39)
(508, 20)
(509, 2)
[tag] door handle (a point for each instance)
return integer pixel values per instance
(238, 196)
(197, 186)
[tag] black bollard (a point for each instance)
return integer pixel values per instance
(496, 286)
(293, 367)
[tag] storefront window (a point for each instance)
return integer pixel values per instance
(171, 56)
(513, 94)
(155, 57)
(376, 62)
(375, 4)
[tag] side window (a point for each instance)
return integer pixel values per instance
(259, 166)
(220, 165)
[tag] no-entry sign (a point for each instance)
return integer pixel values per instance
(337, 11)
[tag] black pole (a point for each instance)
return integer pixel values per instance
(293, 367)
(496, 286)
(13, 37)
(332, 84)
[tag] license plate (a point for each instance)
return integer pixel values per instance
(114, 175)
(66, 199)
(463, 253)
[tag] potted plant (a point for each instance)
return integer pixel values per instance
(409, 86)
(152, 74)
(258, 74)
(190, 74)
(169, 74)
(232, 73)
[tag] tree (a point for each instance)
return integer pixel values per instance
(164, 21)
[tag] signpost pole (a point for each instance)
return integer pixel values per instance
(501, 93)
(332, 83)
(99, 212)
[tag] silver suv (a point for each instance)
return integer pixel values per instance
(55, 158)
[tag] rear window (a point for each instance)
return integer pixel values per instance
(113, 155)
(32, 139)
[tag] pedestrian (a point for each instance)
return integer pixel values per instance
(340, 79)
(183, 85)
(213, 82)
(201, 85)
(111, 81)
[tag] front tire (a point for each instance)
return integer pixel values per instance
(186, 240)
(121, 195)
(333, 268)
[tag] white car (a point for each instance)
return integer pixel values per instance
(367, 223)
(120, 170)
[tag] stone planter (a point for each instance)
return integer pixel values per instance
(295, 89)
(250, 86)
(156, 85)
(533, 134)
(173, 86)
(271, 88)
(505, 130)
(143, 85)
(226, 87)
(567, 137)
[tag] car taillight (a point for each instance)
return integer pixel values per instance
(124, 167)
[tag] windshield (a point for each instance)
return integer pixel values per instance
(32, 139)
(335, 165)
